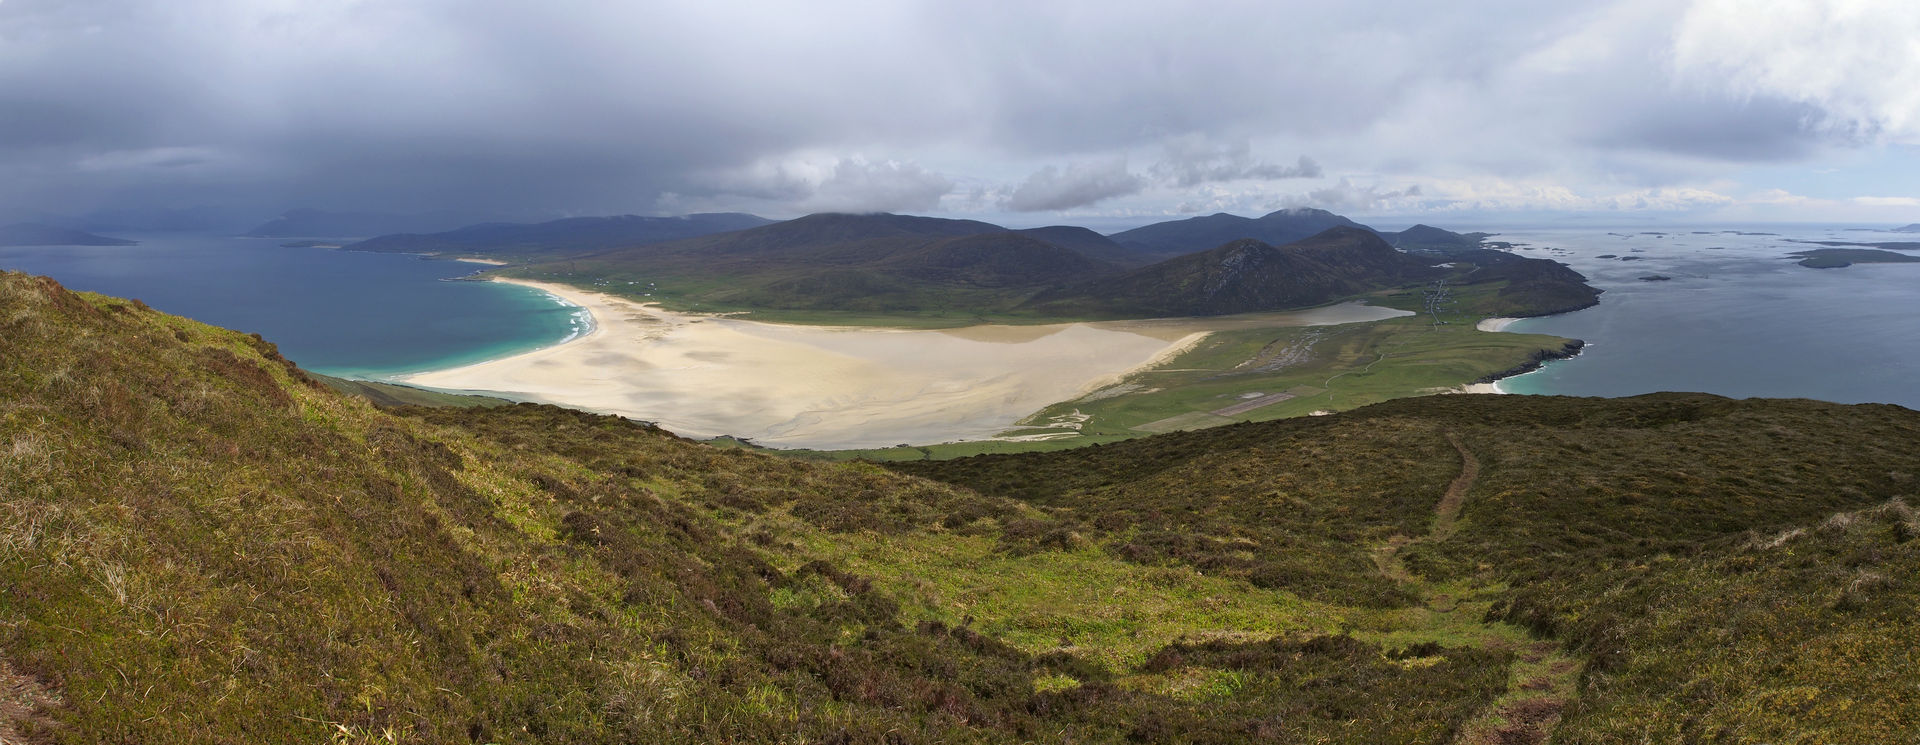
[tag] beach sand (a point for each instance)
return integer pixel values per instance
(832, 387)
(1494, 324)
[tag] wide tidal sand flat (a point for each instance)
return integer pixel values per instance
(828, 386)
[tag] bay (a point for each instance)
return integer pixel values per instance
(344, 313)
(1736, 318)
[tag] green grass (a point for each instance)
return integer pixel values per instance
(201, 544)
(1331, 369)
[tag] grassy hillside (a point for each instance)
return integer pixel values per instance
(960, 272)
(1245, 276)
(201, 544)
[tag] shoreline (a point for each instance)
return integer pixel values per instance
(705, 375)
(831, 387)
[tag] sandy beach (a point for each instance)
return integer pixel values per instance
(833, 387)
(1494, 324)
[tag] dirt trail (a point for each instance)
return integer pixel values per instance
(1544, 677)
(1445, 515)
(23, 705)
(1448, 510)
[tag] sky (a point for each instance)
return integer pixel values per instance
(1468, 114)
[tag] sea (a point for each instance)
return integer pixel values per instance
(343, 313)
(1736, 317)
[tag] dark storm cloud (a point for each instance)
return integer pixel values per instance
(520, 108)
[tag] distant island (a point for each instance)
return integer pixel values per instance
(40, 234)
(1836, 258)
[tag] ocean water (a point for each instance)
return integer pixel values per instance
(344, 313)
(1738, 318)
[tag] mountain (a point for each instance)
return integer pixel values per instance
(559, 237)
(1177, 237)
(310, 223)
(1244, 276)
(200, 543)
(1913, 228)
(1429, 239)
(39, 234)
(1527, 287)
(1093, 245)
(873, 262)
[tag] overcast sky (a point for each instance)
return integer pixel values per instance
(1462, 113)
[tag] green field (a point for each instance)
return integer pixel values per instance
(1322, 368)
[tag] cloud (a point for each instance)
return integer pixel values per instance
(1079, 185)
(823, 183)
(1345, 197)
(1193, 160)
(1854, 62)
(600, 106)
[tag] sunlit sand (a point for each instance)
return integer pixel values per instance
(835, 387)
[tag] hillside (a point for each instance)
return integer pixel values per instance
(943, 271)
(560, 237)
(878, 262)
(1178, 237)
(38, 234)
(201, 544)
(1429, 239)
(1527, 287)
(1246, 276)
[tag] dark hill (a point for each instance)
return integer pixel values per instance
(560, 237)
(198, 543)
(1429, 239)
(39, 234)
(1177, 237)
(1004, 259)
(1246, 276)
(1092, 245)
(1533, 287)
(876, 262)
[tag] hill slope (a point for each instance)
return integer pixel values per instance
(1246, 276)
(200, 544)
(877, 262)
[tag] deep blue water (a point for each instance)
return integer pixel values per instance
(1738, 319)
(336, 312)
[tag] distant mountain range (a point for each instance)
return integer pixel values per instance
(1177, 237)
(38, 234)
(310, 223)
(571, 235)
(904, 263)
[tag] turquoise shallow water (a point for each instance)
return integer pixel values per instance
(1738, 318)
(336, 312)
